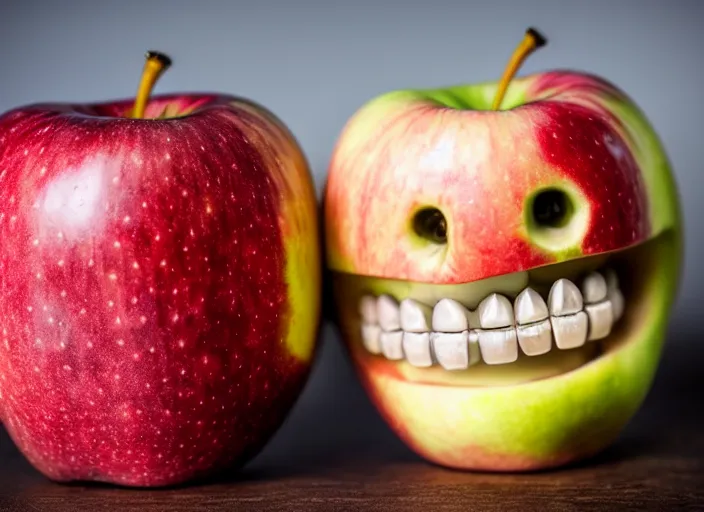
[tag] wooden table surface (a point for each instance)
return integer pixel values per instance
(335, 453)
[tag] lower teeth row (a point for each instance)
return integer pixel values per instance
(492, 333)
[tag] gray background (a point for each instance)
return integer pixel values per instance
(315, 62)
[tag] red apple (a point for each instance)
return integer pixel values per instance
(482, 260)
(159, 285)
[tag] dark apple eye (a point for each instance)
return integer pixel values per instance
(430, 223)
(552, 208)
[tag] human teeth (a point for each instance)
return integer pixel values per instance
(451, 350)
(611, 279)
(594, 288)
(570, 331)
(615, 295)
(455, 337)
(371, 338)
(495, 312)
(601, 318)
(415, 317)
(450, 316)
(367, 308)
(564, 298)
(498, 346)
(530, 307)
(392, 345)
(416, 347)
(617, 303)
(388, 313)
(535, 339)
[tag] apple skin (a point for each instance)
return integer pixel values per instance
(159, 286)
(445, 148)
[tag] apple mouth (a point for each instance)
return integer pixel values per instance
(507, 329)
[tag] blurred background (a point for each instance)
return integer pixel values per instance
(314, 62)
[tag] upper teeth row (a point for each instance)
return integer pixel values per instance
(461, 337)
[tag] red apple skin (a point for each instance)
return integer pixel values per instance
(479, 168)
(144, 304)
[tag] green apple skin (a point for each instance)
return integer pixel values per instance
(445, 148)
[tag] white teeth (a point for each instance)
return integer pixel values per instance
(601, 318)
(530, 307)
(388, 313)
(455, 350)
(474, 349)
(451, 350)
(371, 338)
(535, 339)
(495, 312)
(392, 345)
(455, 337)
(415, 317)
(615, 295)
(450, 316)
(594, 288)
(564, 298)
(570, 331)
(611, 279)
(498, 346)
(416, 346)
(367, 308)
(617, 303)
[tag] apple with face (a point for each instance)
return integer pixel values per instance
(504, 276)
(159, 284)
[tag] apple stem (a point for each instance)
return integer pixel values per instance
(155, 65)
(531, 42)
